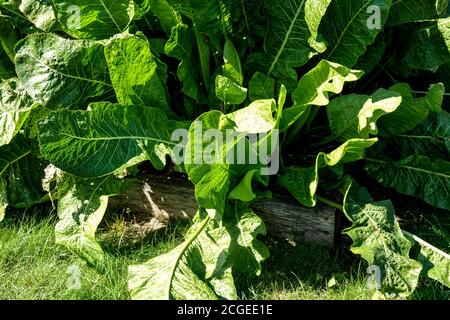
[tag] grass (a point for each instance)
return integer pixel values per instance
(32, 266)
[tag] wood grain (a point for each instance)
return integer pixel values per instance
(161, 199)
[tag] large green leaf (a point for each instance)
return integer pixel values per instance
(286, 45)
(303, 183)
(347, 30)
(416, 176)
(229, 83)
(314, 89)
(232, 67)
(204, 265)
(356, 116)
(211, 18)
(80, 210)
(431, 138)
(15, 107)
(246, 252)
(40, 13)
(104, 139)
(181, 46)
(429, 46)
(133, 72)
(189, 270)
(212, 164)
(94, 19)
(404, 11)
(261, 87)
(167, 15)
(229, 91)
(314, 11)
(412, 111)
(244, 190)
(327, 77)
(57, 72)
(378, 239)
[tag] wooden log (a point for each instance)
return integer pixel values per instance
(160, 199)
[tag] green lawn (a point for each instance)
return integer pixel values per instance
(33, 267)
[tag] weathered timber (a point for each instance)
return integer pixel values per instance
(161, 199)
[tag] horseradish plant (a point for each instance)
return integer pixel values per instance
(91, 89)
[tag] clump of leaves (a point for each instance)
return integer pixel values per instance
(96, 87)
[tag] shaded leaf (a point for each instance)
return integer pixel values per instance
(416, 176)
(303, 183)
(9, 36)
(13, 152)
(180, 46)
(349, 32)
(404, 11)
(429, 46)
(431, 138)
(211, 18)
(371, 59)
(167, 15)
(6, 66)
(23, 173)
(286, 46)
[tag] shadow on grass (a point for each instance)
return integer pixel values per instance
(303, 271)
(32, 266)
